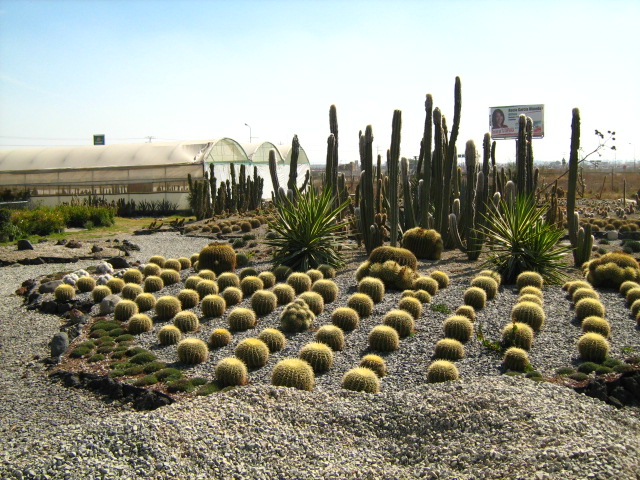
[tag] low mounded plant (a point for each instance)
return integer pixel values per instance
(130, 291)
(332, 336)
(530, 313)
(374, 287)
(327, 288)
(124, 310)
(86, 284)
(253, 352)
(383, 338)
(167, 307)
(192, 351)
(361, 303)
(241, 319)
(220, 337)
(458, 327)
(314, 300)
(589, 307)
(145, 302)
(529, 279)
(596, 325)
(231, 372)
(133, 275)
(100, 292)
(268, 279)
(285, 293)
(64, 292)
(296, 317)
(345, 318)
(273, 339)
(488, 284)
(251, 284)
(263, 302)
(449, 349)
(593, 347)
(475, 297)
(411, 305)
(206, 287)
(401, 321)
(188, 298)
(139, 323)
(466, 311)
(153, 284)
(169, 335)
(300, 282)
(515, 359)
(293, 372)
(375, 363)
(361, 379)
(318, 355)
(186, 321)
(440, 277)
(517, 334)
(170, 277)
(228, 279)
(442, 371)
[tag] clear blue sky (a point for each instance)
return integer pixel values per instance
(202, 69)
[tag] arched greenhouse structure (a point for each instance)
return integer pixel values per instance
(145, 171)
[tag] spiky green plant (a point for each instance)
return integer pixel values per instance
(293, 372)
(115, 284)
(219, 257)
(361, 379)
(332, 336)
(318, 355)
(228, 279)
(517, 334)
(188, 298)
(220, 337)
(440, 277)
(401, 321)
(314, 274)
(130, 291)
(467, 311)
(263, 302)
(133, 275)
(169, 276)
(145, 302)
(488, 284)
(581, 293)
(192, 281)
(530, 313)
(520, 240)
(411, 305)
(515, 359)
(268, 279)
(124, 310)
(361, 303)
(529, 297)
(589, 307)
(383, 338)
(151, 269)
(253, 352)
(184, 263)
(327, 271)
(596, 325)
(314, 300)
(309, 233)
(282, 272)
(529, 279)
(300, 282)
(232, 296)
(296, 317)
(285, 293)
(167, 307)
(626, 286)
(169, 335)
(86, 284)
(64, 292)
(458, 327)
(475, 297)
(345, 318)
(139, 323)
(153, 283)
(327, 288)
(186, 321)
(442, 371)
(100, 292)
(274, 339)
(192, 351)
(449, 349)
(158, 260)
(428, 284)
(375, 363)
(374, 287)
(241, 319)
(531, 290)
(231, 372)
(206, 287)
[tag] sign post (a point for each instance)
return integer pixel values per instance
(98, 139)
(504, 120)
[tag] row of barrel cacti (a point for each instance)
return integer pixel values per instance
(590, 312)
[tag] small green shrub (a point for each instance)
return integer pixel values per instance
(169, 335)
(232, 296)
(192, 351)
(231, 372)
(449, 349)
(345, 318)
(383, 338)
(375, 363)
(442, 371)
(274, 339)
(241, 319)
(361, 379)
(253, 352)
(293, 372)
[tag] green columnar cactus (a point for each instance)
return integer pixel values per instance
(253, 352)
(488, 284)
(411, 305)
(393, 158)
(232, 296)
(153, 284)
(332, 336)
(318, 355)
(423, 243)
(285, 293)
(100, 292)
(375, 363)
(169, 335)
(327, 289)
(401, 321)
(130, 291)
(597, 325)
(530, 313)
(466, 311)
(517, 334)
(458, 327)
(296, 317)
(139, 323)
(383, 338)
(371, 235)
(220, 337)
(442, 371)
(440, 277)
(274, 339)
(475, 297)
(314, 301)
(217, 257)
(241, 319)
(186, 321)
(167, 307)
(345, 318)
(263, 302)
(374, 287)
(361, 303)
(188, 298)
(231, 372)
(449, 349)
(409, 214)
(293, 372)
(64, 292)
(515, 359)
(361, 379)
(192, 351)
(124, 310)
(145, 302)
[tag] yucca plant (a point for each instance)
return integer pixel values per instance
(520, 240)
(309, 232)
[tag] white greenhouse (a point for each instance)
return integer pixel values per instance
(144, 171)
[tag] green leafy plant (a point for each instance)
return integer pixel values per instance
(520, 240)
(309, 233)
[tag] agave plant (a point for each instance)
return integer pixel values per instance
(309, 233)
(520, 240)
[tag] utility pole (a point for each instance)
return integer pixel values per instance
(149, 138)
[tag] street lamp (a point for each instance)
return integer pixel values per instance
(250, 137)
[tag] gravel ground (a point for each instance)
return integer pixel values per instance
(482, 426)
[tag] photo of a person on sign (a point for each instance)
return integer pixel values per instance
(497, 119)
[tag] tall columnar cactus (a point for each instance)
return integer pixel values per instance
(526, 176)
(424, 186)
(332, 149)
(371, 232)
(393, 159)
(277, 194)
(292, 184)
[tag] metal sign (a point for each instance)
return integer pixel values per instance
(504, 120)
(98, 139)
